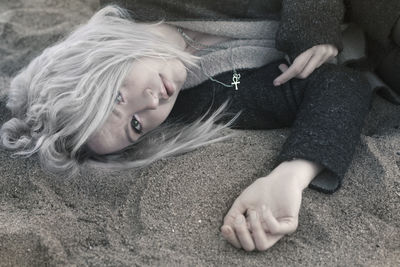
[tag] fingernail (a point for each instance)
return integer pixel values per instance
(277, 83)
(239, 220)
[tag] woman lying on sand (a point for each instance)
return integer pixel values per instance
(118, 93)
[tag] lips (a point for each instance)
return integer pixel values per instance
(164, 93)
(168, 85)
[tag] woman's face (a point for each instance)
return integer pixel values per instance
(145, 100)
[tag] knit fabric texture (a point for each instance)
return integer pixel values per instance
(303, 23)
(252, 46)
(325, 112)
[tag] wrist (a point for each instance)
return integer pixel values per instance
(298, 171)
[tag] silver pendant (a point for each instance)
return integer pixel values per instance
(236, 80)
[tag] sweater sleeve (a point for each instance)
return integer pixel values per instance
(326, 112)
(306, 23)
(329, 121)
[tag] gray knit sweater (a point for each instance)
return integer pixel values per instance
(258, 29)
(252, 45)
(302, 23)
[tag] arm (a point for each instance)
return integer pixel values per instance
(325, 132)
(310, 34)
(327, 109)
(272, 205)
(307, 23)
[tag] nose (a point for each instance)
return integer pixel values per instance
(153, 99)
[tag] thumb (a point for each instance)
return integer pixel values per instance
(282, 226)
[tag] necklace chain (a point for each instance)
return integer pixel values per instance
(192, 43)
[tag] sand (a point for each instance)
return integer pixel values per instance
(169, 214)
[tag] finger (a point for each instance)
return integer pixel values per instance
(272, 239)
(229, 234)
(283, 67)
(297, 67)
(279, 227)
(227, 229)
(243, 234)
(258, 233)
(248, 225)
(333, 53)
(327, 53)
(264, 226)
(236, 210)
(315, 62)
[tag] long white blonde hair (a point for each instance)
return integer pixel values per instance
(66, 93)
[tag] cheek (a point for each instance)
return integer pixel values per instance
(109, 138)
(100, 142)
(158, 116)
(131, 96)
(182, 72)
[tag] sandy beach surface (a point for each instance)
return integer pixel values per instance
(169, 214)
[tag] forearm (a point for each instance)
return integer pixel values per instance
(298, 171)
(306, 23)
(329, 122)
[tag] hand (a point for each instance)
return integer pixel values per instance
(306, 63)
(272, 206)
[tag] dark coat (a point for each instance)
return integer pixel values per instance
(326, 111)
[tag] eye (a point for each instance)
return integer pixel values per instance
(119, 98)
(136, 126)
